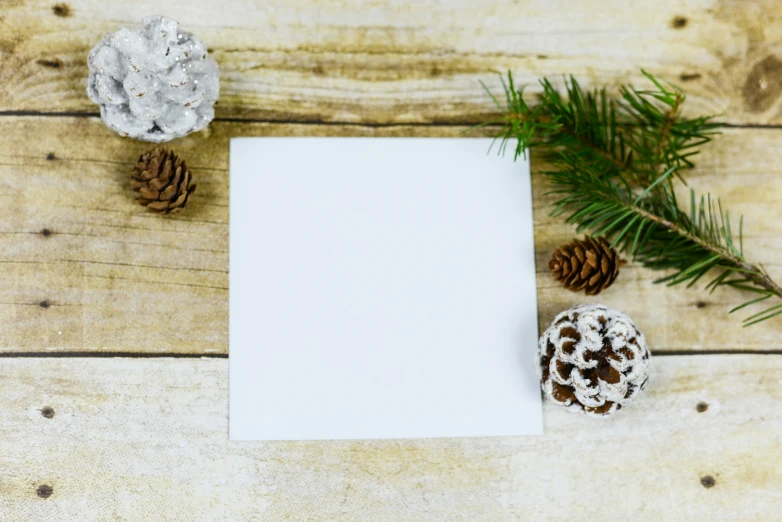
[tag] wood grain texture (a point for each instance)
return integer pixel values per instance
(112, 277)
(84, 269)
(140, 440)
(411, 62)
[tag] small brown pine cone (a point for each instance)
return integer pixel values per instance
(590, 265)
(162, 180)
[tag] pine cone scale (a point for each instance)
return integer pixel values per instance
(591, 259)
(183, 198)
(158, 184)
(177, 178)
(166, 173)
(185, 176)
(148, 193)
(168, 193)
(158, 205)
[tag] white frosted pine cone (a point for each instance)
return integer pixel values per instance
(592, 359)
(155, 83)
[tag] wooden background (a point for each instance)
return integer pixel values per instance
(114, 343)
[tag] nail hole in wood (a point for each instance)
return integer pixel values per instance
(62, 9)
(44, 304)
(679, 22)
(47, 411)
(707, 481)
(54, 63)
(44, 491)
(46, 232)
(51, 156)
(701, 304)
(688, 77)
(701, 407)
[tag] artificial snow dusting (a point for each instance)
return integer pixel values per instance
(155, 83)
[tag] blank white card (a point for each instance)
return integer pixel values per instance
(380, 288)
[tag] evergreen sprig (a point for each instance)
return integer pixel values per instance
(615, 165)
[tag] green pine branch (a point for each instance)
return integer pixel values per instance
(615, 165)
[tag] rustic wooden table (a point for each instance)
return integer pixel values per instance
(113, 376)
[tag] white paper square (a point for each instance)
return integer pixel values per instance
(380, 288)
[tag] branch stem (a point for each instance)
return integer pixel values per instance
(670, 116)
(754, 273)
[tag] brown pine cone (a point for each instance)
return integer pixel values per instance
(593, 360)
(590, 265)
(163, 181)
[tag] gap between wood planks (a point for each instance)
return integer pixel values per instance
(124, 355)
(176, 355)
(449, 123)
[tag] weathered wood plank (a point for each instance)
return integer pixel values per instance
(140, 440)
(118, 279)
(403, 62)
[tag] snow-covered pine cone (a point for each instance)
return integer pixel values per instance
(592, 359)
(155, 83)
